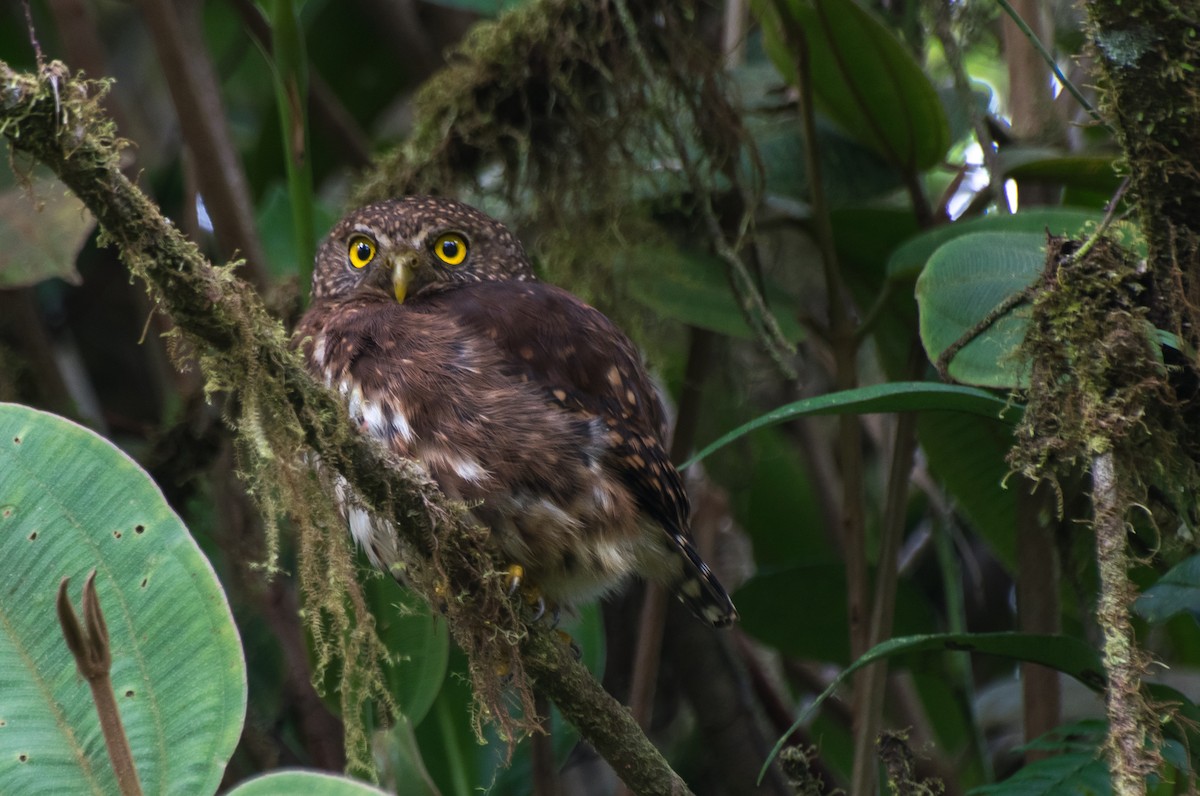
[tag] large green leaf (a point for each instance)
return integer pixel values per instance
(865, 237)
(864, 78)
(891, 397)
(1087, 172)
(71, 502)
(486, 8)
(907, 260)
(1178, 590)
(310, 783)
(964, 282)
(1070, 774)
(850, 171)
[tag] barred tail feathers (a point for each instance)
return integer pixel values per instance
(699, 589)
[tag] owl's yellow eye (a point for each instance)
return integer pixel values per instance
(362, 251)
(450, 248)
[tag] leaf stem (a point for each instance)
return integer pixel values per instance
(93, 657)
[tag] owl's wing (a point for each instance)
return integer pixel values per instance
(586, 365)
(555, 339)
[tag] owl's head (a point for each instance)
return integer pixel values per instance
(414, 246)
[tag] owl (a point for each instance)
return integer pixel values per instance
(518, 398)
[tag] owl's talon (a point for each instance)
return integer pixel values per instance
(529, 593)
(565, 638)
(515, 573)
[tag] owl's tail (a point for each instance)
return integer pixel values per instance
(699, 589)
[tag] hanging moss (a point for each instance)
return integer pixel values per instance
(1098, 379)
(546, 118)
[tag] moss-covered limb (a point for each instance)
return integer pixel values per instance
(607, 724)
(65, 128)
(1148, 52)
(278, 412)
(1130, 758)
(1099, 400)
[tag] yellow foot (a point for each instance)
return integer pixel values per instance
(529, 592)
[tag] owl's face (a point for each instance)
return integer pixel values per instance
(413, 246)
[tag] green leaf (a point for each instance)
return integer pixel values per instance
(1081, 773)
(694, 288)
(402, 765)
(1084, 172)
(966, 454)
(418, 641)
(1075, 766)
(958, 113)
(773, 498)
(863, 77)
(1062, 653)
(71, 502)
(850, 171)
(865, 237)
(907, 261)
(1176, 591)
(892, 397)
(274, 223)
(451, 754)
(310, 783)
(964, 281)
(42, 229)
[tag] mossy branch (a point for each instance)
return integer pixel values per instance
(55, 118)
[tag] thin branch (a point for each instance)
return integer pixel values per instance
(845, 345)
(1130, 758)
(189, 74)
(648, 652)
(224, 316)
(873, 678)
(1049, 59)
(1038, 607)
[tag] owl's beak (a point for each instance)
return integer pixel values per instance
(404, 268)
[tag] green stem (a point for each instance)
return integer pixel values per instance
(291, 92)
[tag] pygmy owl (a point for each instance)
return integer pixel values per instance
(518, 398)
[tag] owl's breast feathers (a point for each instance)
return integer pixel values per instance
(532, 407)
